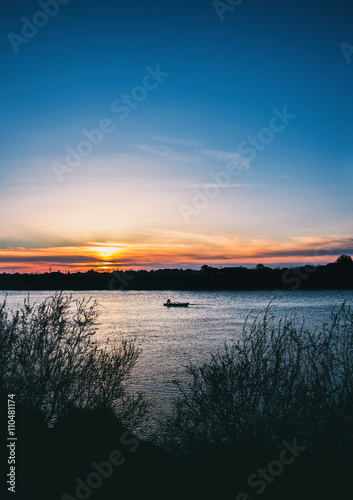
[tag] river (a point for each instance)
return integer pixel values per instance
(170, 338)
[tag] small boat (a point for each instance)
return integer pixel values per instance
(176, 304)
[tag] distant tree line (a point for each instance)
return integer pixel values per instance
(336, 275)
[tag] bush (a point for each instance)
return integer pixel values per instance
(275, 382)
(49, 359)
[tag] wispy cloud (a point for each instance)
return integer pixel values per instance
(224, 156)
(195, 185)
(156, 247)
(191, 153)
(165, 152)
(173, 140)
(332, 241)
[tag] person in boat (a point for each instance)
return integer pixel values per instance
(168, 301)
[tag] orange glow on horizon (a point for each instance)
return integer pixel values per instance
(107, 256)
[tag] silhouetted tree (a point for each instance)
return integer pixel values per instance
(273, 382)
(49, 358)
(344, 262)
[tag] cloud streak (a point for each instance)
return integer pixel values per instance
(158, 248)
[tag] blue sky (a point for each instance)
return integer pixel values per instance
(136, 190)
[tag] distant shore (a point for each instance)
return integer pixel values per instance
(335, 276)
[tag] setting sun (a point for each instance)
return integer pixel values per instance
(105, 252)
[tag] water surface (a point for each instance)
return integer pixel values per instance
(170, 338)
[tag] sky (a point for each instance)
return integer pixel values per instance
(150, 134)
